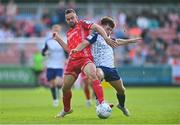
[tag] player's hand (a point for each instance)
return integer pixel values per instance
(134, 40)
(137, 38)
(73, 51)
(111, 42)
(55, 36)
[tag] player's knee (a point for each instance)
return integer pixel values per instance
(100, 76)
(59, 82)
(123, 90)
(52, 83)
(93, 76)
(120, 88)
(65, 88)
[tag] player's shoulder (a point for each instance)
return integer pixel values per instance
(48, 37)
(85, 21)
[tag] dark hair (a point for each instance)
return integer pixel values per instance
(108, 21)
(67, 11)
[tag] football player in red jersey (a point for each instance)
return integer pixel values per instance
(80, 61)
(106, 69)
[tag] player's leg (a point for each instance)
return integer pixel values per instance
(90, 71)
(54, 92)
(58, 81)
(85, 82)
(100, 76)
(111, 75)
(119, 87)
(51, 79)
(66, 89)
(68, 82)
(100, 73)
(86, 85)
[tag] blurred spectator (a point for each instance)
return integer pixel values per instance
(142, 22)
(139, 56)
(22, 56)
(46, 18)
(39, 28)
(11, 9)
(2, 9)
(119, 55)
(5, 31)
(151, 57)
(135, 31)
(38, 64)
(153, 21)
(159, 28)
(60, 11)
(72, 4)
(121, 17)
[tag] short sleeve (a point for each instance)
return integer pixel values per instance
(86, 24)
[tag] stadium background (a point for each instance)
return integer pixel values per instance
(152, 62)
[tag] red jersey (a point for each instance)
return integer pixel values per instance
(76, 35)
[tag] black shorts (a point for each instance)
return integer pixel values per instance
(110, 74)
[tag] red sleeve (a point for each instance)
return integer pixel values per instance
(86, 24)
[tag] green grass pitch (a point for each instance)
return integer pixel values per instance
(151, 105)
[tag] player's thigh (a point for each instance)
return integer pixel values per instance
(52, 83)
(68, 81)
(59, 80)
(118, 85)
(100, 73)
(90, 70)
(59, 76)
(50, 77)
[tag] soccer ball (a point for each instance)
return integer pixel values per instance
(103, 110)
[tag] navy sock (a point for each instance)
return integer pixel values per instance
(59, 86)
(53, 92)
(121, 99)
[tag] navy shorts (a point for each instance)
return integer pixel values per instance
(53, 73)
(110, 74)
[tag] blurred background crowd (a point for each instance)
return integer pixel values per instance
(159, 26)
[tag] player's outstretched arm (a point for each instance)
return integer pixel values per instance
(44, 51)
(127, 41)
(80, 47)
(102, 32)
(60, 41)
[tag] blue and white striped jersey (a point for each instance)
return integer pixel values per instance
(102, 53)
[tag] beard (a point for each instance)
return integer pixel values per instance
(72, 25)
